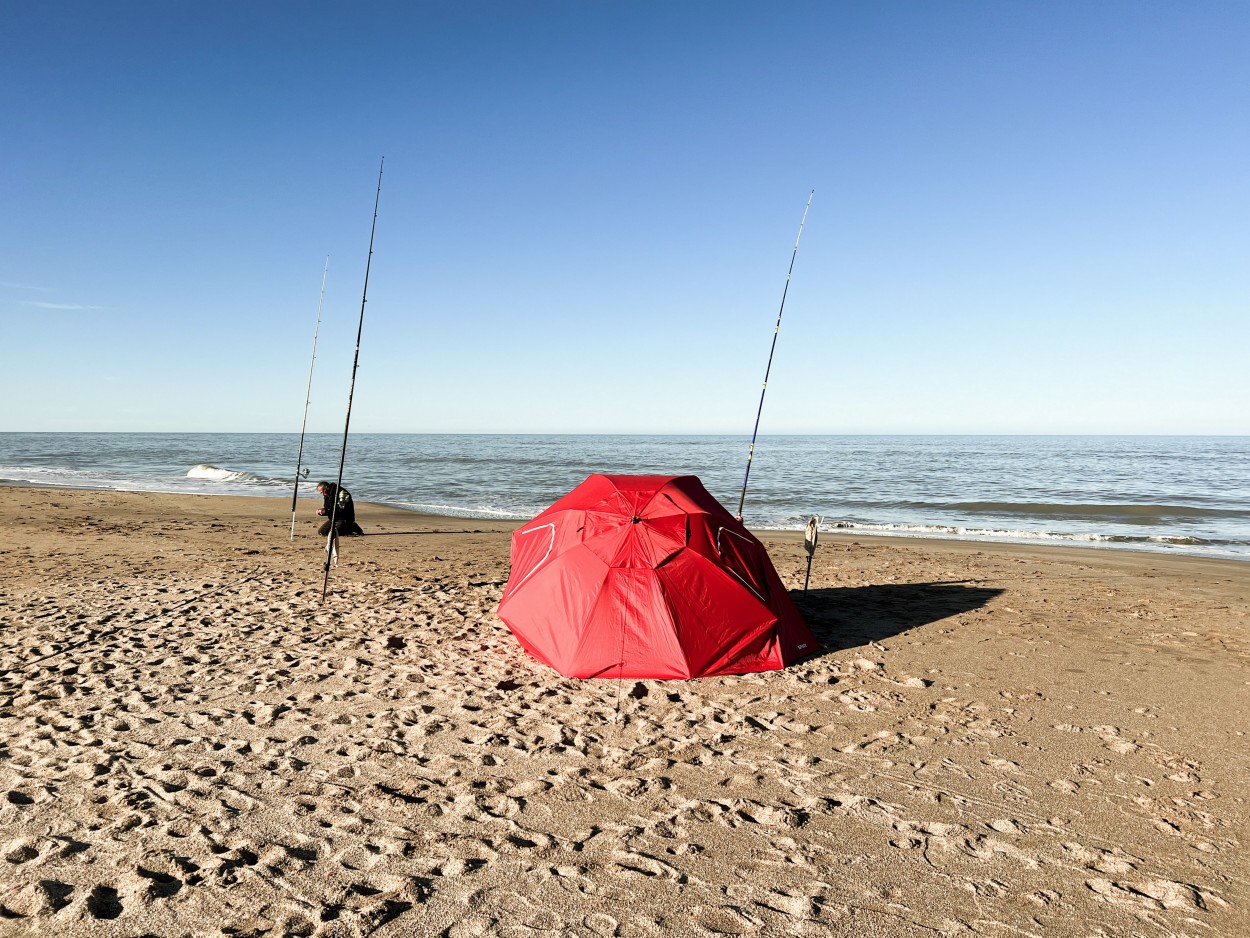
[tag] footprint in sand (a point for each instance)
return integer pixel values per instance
(46, 897)
(104, 903)
(1156, 894)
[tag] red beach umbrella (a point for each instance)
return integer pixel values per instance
(648, 577)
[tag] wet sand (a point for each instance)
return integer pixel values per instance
(997, 740)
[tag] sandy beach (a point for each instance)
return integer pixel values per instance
(997, 740)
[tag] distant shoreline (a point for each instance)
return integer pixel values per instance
(1153, 494)
(844, 537)
(745, 437)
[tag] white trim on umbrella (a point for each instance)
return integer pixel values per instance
(550, 546)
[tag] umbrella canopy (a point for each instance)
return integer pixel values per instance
(648, 577)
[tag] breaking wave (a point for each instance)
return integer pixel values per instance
(207, 473)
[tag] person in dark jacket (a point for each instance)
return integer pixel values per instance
(344, 514)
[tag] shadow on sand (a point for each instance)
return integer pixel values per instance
(855, 615)
(412, 533)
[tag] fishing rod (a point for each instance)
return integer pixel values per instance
(755, 432)
(299, 457)
(332, 537)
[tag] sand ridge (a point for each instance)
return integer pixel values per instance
(1001, 741)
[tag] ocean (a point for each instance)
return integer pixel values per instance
(1180, 494)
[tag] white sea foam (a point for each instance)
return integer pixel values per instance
(460, 511)
(1003, 534)
(45, 475)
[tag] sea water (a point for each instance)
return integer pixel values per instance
(1182, 494)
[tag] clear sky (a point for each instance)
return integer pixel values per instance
(1029, 217)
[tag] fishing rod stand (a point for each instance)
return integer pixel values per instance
(810, 538)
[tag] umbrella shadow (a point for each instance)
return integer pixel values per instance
(856, 615)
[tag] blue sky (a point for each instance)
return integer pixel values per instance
(1029, 218)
